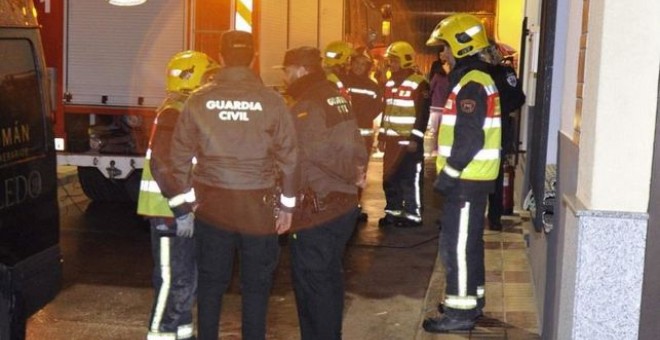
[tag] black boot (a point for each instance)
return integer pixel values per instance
(445, 324)
(387, 221)
(478, 313)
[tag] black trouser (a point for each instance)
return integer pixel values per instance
(174, 280)
(258, 256)
(402, 179)
(318, 279)
(462, 251)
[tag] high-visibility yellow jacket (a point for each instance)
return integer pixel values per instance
(484, 164)
(400, 112)
(151, 201)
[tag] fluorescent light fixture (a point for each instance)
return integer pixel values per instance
(127, 2)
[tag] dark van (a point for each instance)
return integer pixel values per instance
(30, 256)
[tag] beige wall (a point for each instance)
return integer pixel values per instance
(508, 24)
(571, 67)
(619, 107)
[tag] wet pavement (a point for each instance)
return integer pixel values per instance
(392, 277)
(107, 292)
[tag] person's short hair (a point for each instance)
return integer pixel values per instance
(237, 48)
(307, 56)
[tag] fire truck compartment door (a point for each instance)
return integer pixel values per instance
(120, 53)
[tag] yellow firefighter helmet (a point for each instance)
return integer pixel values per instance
(337, 53)
(186, 71)
(464, 33)
(402, 50)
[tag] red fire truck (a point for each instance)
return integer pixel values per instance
(108, 66)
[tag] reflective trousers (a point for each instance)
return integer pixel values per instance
(318, 280)
(174, 280)
(258, 257)
(462, 251)
(403, 179)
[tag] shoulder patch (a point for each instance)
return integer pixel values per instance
(467, 105)
(511, 79)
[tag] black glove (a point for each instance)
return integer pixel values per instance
(444, 183)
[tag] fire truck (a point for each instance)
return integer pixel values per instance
(107, 66)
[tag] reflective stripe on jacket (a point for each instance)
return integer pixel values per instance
(484, 166)
(399, 114)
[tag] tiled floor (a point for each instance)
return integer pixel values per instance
(510, 311)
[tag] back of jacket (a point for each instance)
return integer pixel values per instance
(366, 99)
(238, 130)
(512, 98)
(331, 148)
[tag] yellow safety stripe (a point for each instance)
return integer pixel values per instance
(482, 155)
(449, 170)
(461, 302)
(244, 15)
(163, 291)
(461, 249)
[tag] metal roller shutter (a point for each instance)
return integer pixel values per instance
(121, 52)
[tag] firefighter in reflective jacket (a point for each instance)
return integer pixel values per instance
(468, 163)
(172, 245)
(336, 57)
(401, 137)
(366, 100)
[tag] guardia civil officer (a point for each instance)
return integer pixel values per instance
(468, 163)
(242, 135)
(332, 158)
(172, 246)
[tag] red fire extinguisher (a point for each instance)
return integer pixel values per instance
(508, 173)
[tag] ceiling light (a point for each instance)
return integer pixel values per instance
(127, 2)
